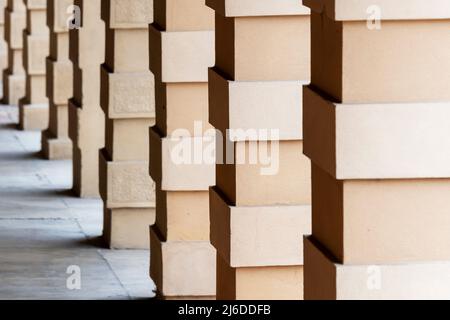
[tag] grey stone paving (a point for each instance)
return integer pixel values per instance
(44, 230)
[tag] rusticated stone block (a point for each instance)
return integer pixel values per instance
(126, 184)
(196, 277)
(134, 14)
(35, 51)
(128, 95)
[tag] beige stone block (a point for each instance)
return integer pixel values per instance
(86, 129)
(59, 81)
(85, 172)
(14, 88)
(182, 268)
(127, 14)
(88, 51)
(265, 173)
(59, 47)
(182, 215)
(381, 221)
(394, 140)
(86, 87)
(33, 116)
(261, 283)
(35, 4)
(182, 163)
(120, 132)
(56, 148)
(127, 50)
(250, 8)
(328, 280)
(374, 73)
(127, 228)
(58, 120)
(35, 89)
(181, 56)
(125, 184)
(263, 48)
(128, 95)
(182, 109)
(35, 53)
(16, 5)
(14, 25)
(260, 106)
(258, 236)
(183, 15)
(15, 61)
(58, 15)
(350, 10)
(37, 17)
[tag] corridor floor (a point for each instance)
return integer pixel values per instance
(49, 240)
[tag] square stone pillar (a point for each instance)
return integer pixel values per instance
(181, 51)
(377, 130)
(260, 206)
(14, 75)
(33, 108)
(127, 98)
(3, 44)
(86, 118)
(56, 143)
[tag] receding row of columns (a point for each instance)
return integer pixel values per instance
(197, 118)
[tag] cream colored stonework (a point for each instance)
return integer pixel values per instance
(128, 101)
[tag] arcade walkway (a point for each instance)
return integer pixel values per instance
(44, 230)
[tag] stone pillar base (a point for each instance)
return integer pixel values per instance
(326, 279)
(259, 283)
(56, 148)
(126, 228)
(196, 277)
(13, 88)
(33, 116)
